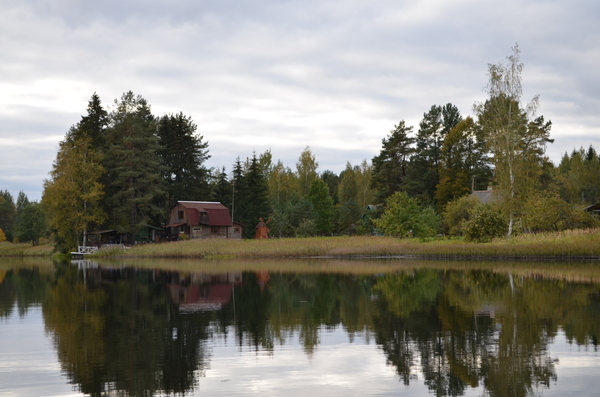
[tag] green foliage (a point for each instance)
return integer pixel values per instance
(458, 212)
(221, 188)
(306, 170)
(333, 183)
(251, 194)
(283, 185)
(404, 217)
(349, 215)
(322, 202)
(517, 140)
(182, 153)
(390, 166)
(296, 218)
(485, 223)
(463, 158)
(423, 173)
(135, 184)
(33, 223)
(578, 176)
(548, 212)
(73, 194)
(8, 212)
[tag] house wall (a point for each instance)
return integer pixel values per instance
(235, 232)
(206, 232)
(201, 231)
(174, 216)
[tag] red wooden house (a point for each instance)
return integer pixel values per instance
(202, 219)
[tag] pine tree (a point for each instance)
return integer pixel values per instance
(222, 188)
(390, 166)
(322, 203)
(256, 197)
(464, 163)
(135, 184)
(8, 214)
(423, 172)
(182, 153)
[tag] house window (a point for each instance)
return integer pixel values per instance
(237, 229)
(182, 229)
(179, 214)
(214, 230)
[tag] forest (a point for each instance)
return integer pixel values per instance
(124, 169)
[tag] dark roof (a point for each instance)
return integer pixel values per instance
(595, 208)
(218, 214)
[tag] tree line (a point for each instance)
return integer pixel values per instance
(124, 169)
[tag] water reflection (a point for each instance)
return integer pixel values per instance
(141, 332)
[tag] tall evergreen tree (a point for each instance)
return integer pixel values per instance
(256, 197)
(134, 167)
(238, 202)
(423, 175)
(222, 188)
(464, 163)
(182, 153)
(332, 180)
(390, 166)
(322, 203)
(8, 214)
(94, 124)
(32, 224)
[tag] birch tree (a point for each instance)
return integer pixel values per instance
(516, 139)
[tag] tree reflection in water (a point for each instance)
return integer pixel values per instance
(143, 332)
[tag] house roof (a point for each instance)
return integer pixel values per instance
(594, 208)
(218, 214)
(485, 196)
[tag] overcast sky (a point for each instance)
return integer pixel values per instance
(281, 75)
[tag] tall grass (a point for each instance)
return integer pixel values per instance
(579, 243)
(25, 249)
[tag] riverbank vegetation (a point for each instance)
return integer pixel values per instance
(557, 245)
(25, 249)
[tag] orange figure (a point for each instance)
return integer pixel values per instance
(262, 231)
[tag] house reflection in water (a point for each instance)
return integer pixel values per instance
(204, 291)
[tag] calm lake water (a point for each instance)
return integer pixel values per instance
(445, 329)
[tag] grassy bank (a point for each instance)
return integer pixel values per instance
(25, 249)
(570, 244)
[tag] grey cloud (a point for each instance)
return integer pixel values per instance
(285, 74)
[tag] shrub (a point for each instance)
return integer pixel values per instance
(547, 211)
(458, 212)
(485, 223)
(404, 217)
(2, 236)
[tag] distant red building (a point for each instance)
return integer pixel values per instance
(202, 220)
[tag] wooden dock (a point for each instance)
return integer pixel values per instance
(82, 251)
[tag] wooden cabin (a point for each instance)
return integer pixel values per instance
(202, 220)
